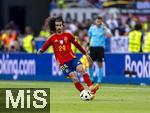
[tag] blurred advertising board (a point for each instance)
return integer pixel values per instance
(20, 66)
(127, 68)
(118, 68)
(119, 44)
(79, 14)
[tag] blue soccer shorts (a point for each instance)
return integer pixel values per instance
(70, 66)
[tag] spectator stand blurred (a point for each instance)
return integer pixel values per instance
(119, 23)
(28, 42)
(44, 35)
(9, 40)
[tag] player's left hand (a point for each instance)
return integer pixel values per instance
(39, 51)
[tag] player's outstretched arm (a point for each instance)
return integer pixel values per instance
(45, 46)
(78, 46)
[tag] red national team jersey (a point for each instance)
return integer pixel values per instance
(62, 47)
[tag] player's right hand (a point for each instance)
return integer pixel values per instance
(89, 59)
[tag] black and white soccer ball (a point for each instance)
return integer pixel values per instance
(85, 95)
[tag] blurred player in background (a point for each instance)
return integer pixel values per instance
(68, 62)
(97, 34)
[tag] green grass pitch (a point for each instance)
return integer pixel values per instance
(109, 99)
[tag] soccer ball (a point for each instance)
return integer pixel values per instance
(85, 95)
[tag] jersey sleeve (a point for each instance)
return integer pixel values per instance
(46, 44)
(77, 45)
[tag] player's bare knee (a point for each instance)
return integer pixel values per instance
(74, 77)
(81, 70)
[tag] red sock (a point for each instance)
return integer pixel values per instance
(79, 86)
(87, 80)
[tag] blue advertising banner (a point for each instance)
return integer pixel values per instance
(127, 68)
(118, 68)
(21, 66)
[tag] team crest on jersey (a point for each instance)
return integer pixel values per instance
(61, 41)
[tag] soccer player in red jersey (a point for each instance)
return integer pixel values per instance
(68, 62)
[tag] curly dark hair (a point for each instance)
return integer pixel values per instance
(52, 23)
